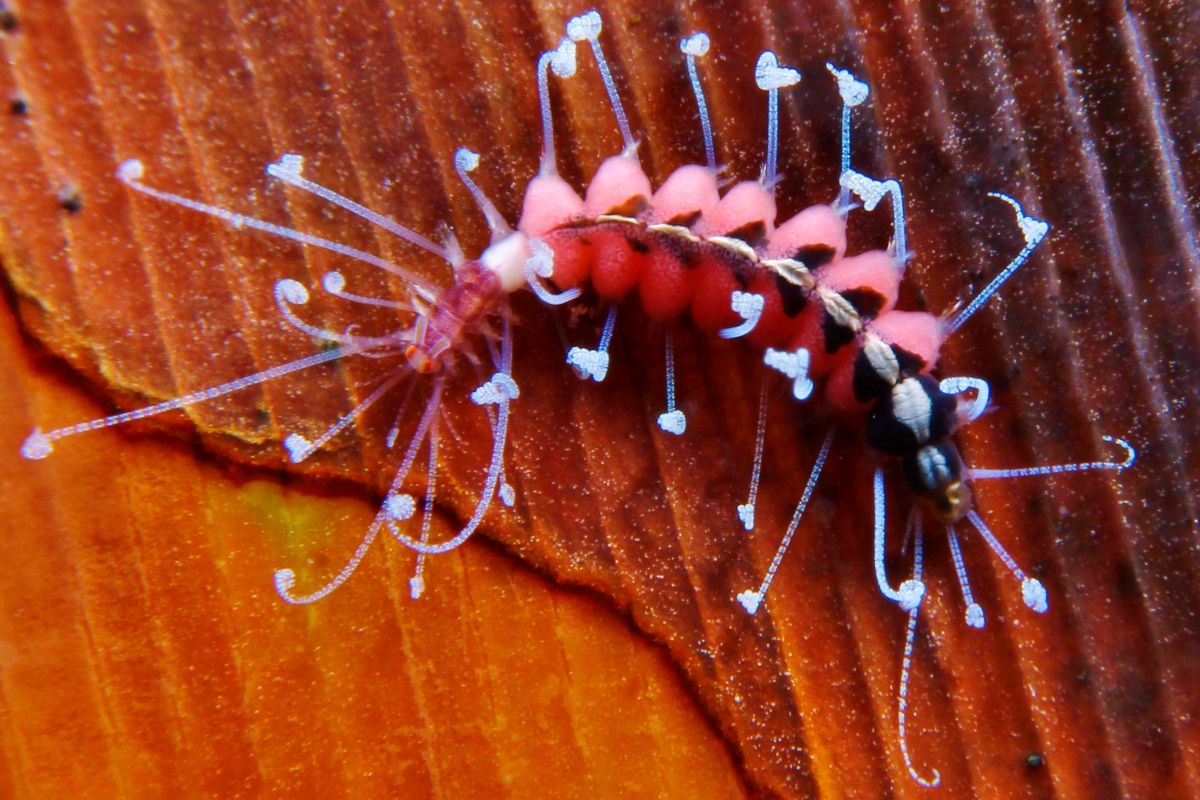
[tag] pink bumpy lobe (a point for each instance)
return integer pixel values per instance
(549, 203)
(815, 226)
(917, 332)
(687, 190)
(619, 181)
(874, 270)
(744, 204)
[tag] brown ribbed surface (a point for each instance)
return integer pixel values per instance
(142, 649)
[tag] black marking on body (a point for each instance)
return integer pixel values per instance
(752, 233)
(869, 384)
(685, 220)
(866, 301)
(837, 336)
(814, 255)
(888, 434)
(793, 297)
(638, 204)
(910, 363)
(637, 245)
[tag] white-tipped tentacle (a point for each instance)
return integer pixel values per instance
(465, 162)
(694, 47)
(300, 448)
(594, 363)
(752, 599)
(334, 283)
(395, 506)
(1033, 593)
(871, 191)
(562, 60)
(911, 592)
(289, 169)
(130, 173)
(40, 444)
(974, 612)
(910, 638)
(1033, 231)
(981, 474)
(792, 365)
(416, 584)
(771, 77)
(672, 420)
(853, 93)
(969, 410)
(505, 390)
(539, 266)
(586, 27)
(749, 307)
(746, 510)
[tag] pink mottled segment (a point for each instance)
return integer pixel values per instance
(814, 226)
(549, 203)
(918, 332)
(839, 387)
(743, 205)
(619, 179)
(710, 300)
(572, 258)
(689, 189)
(808, 334)
(775, 328)
(666, 286)
(875, 270)
(617, 264)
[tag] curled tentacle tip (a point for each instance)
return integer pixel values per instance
(911, 593)
(289, 164)
(285, 579)
(36, 445)
(466, 160)
(750, 601)
(769, 75)
(802, 388)
(588, 363)
(292, 292)
(586, 26)
(416, 587)
(1034, 595)
(975, 617)
(1130, 452)
(852, 90)
(695, 45)
(1033, 229)
(333, 282)
(500, 389)
(399, 506)
(130, 169)
(928, 783)
(562, 59)
(673, 422)
(745, 513)
(298, 447)
(508, 495)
